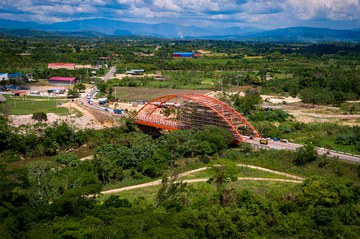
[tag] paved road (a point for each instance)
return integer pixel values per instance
(292, 147)
(110, 74)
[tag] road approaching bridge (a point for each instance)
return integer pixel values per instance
(110, 74)
(293, 147)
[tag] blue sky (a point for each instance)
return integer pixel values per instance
(338, 14)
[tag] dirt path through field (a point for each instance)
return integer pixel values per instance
(308, 117)
(295, 179)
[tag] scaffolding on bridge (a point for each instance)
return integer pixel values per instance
(187, 111)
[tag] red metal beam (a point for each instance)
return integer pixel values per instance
(216, 106)
(160, 126)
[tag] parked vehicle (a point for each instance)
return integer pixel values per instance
(264, 141)
(117, 111)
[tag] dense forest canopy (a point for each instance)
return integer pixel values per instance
(56, 198)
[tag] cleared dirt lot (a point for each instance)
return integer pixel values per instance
(82, 122)
(308, 113)
(134, 93)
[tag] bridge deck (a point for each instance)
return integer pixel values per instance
(159, 123)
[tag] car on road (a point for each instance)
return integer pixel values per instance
(264, 141)
(118, 111)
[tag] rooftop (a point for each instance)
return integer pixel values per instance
(59, 78)
(17, 74)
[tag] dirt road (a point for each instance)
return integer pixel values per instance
(158, 182)
(295, 179)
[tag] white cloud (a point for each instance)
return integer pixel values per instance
(325, 9)
(167, 5)
(259, 12)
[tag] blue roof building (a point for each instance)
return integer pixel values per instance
(15, 75)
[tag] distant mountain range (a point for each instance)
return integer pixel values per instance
(104, 27)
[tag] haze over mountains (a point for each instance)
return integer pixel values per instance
(104, 27)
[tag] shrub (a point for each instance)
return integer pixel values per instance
(39, 116)
(345, 140)
(305, 154)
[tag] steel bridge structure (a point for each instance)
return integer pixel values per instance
(186, 111)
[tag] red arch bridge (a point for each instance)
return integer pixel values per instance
(174, 112)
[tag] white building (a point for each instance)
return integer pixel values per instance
(4, 76)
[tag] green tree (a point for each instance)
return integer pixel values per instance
(327, 192)
(101, 86)
(39, 116)
(72, 94)
(80, 87)
(172, 194)
(7, 136)
(116, 201)
(248, 103)
(224, 173)
(305, 154)
(350, 107)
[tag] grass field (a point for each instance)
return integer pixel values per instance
(28, 105)
(276, 160)
(283, 161)
(140, 93)
(202, 191)
(243, 172)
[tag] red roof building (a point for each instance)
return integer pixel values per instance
(68, 66)
(57, 80)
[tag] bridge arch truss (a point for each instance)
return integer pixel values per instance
(173, 112)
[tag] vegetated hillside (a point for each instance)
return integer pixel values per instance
(160, 30)
(123, 28)
(26, 33)
(304, 34)
(39, 33)
(55, 198)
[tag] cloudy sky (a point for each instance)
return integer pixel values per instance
(266, 14)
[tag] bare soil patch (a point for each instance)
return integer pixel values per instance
(308, 113)
(147, 94)
(82, 122)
